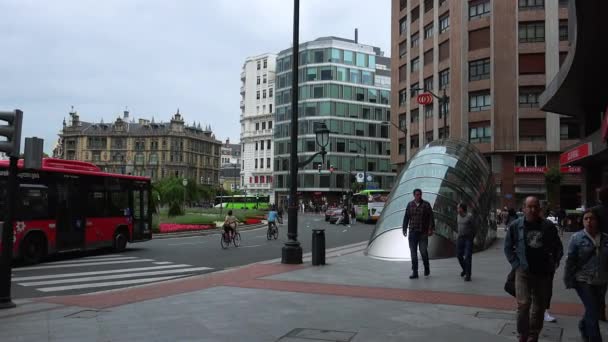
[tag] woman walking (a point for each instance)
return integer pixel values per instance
(587, 272)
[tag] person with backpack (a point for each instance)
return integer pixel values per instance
(534, 250)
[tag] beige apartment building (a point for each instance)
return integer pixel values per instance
(493, 58)
(143, 148)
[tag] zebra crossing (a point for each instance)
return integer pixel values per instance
(98, 273)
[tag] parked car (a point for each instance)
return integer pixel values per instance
(336, 214)
(329, 212)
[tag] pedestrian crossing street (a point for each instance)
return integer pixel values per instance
(99, 273)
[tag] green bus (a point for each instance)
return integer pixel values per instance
(368, 204)
(242, 202)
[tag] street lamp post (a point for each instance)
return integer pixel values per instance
(364, 148)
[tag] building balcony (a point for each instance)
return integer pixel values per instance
(242, 89)
(242, 103)
(243, 75)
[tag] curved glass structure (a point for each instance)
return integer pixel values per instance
(447, 171)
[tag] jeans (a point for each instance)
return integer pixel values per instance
(464, 253)
(418, 239)
(531, 292)
(592, 296)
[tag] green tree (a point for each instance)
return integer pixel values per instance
(356, 187)
(172, 193)
(553, 180)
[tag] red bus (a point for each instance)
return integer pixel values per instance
(72, 205)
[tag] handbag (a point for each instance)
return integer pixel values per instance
(510, 283)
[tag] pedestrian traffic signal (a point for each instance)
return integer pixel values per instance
(12, 132)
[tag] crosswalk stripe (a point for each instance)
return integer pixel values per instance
(86, 262)
(31, 268)
(106, 284)
(104, 256)
(81, 274)
(162, 263)
(115, 276)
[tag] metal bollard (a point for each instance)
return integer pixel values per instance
(318, 247)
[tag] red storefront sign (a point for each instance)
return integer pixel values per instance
(571, 169)
(523, 169)
(579, 152)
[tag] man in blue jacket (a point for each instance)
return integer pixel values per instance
(534, 250)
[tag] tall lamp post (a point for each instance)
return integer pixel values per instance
(443, 100)
(364, 148)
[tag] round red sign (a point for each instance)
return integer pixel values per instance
(424, 99)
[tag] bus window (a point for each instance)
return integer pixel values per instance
(96, 204)
(137, 204)
(119, 201)
(33, 203)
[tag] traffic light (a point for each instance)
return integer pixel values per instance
(12, 132)
(319, 168)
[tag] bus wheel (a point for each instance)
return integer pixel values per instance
(33, 249)
(120, 240)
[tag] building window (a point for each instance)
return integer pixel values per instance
(428, 84)
(480, 134)
(479, 69)
(264, 79)
(444, 78)
(415, 39)
(569, 130)
(265, 63)
(262, 145)
(402, 97)
(428, 57)
(563, 3)
(531, 4)
(563, 30)
(428, 136)
(258, 66)
(479, 101)
(532, 63)
(479, 8)
(257, 95)
(261, 163)
(402, 121)
(415, 64)
(414, 115)
(402, 73)
(441, 2)
(268, 144)
(428, 5)
(256, 163)
(403, 49)
(414, 90)
(428, 111)
(403, 26)
(532, 32)
(258, 80)
(532, 129)
(414, 143)
(270, 108)
(444, 109)
(256, 145)
(269, 124)
(428, 31)
(268, 163)
(257, 126)
(444, 23)
(530, 160)
(264, 93)
(402, 4)
(415, 13)
(528, 96)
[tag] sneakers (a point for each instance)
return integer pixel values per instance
(414, 276)
(548, 317)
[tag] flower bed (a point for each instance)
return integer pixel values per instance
(252, 221)
(174, 227)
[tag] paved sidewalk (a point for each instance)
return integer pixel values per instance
(352, 298)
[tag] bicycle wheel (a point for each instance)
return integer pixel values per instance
(237, 239)
(224, 242)
(275, 233)
(269, 234)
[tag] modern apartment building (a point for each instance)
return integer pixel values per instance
(145, 148)
(257, 101)
(345, 85)
(493, 58)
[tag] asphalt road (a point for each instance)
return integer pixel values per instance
(170, 258)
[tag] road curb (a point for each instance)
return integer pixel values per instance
(202, 232)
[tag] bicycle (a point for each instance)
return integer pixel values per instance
(226, 239)
(272, 231)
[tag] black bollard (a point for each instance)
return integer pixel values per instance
(318, 247)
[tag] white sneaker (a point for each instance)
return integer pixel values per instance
(549, 318)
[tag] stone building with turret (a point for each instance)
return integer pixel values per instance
(143, 147)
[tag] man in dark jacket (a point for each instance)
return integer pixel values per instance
(466, 235)
(534, 250)
(421, 223)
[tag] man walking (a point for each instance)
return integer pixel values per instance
(466, 234)
(535, 257)
(421, 223)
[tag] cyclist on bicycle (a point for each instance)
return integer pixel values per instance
(273, 216)
(230, 223)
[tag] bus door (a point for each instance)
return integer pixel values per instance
(142, 216)
(71, 222)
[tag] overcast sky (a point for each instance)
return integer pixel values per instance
(154, 56)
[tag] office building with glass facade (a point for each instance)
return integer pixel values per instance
(345, 85)
(448, 172)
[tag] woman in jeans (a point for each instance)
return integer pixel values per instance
(587, 272)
